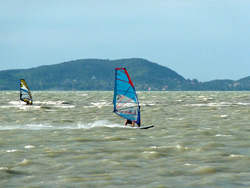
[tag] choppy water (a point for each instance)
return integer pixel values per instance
(72, 139)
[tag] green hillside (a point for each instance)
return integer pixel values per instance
(92, 74)
(96, 74)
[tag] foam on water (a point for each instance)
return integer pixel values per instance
(19, 104)
(24, 162)
(237, 156)
(27, 127)
(3, 168)
(11, 150)
(57, 104)
(222, 135)
(221, 104)
(65, 106)
(16, 102)
(96, 124)
(38, 104)
(29, 147)
(100, 104)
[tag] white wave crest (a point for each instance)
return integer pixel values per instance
(222, 135)
(100, 104)
(100, 123)
(96, 124)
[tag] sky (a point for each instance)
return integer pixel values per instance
(199, 39)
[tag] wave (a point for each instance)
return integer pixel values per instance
(20, 105)
(100, 123)
(100, 104)
(39, 104)
(96, 124)
(221, 104)
(222, 135)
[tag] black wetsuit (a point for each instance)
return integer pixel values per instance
(129, 122)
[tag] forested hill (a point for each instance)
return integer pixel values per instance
(92, 74)
(96, 74)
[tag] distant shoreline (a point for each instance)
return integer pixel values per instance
(98, 75)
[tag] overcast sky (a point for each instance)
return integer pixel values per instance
(201, 39)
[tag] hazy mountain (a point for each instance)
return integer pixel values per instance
(96, 74)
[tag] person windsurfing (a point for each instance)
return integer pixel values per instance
(28, 103)
(130, 122)
(125, 99)
(25, 94)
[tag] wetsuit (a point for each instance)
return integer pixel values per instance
(128, 122)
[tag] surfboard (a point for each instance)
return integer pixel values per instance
(146, 127)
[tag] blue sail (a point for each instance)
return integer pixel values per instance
(125, 101)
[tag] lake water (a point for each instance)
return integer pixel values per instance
(73, 139)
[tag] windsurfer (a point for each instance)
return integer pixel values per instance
(27, 102)
(25, 94)
(129, 122)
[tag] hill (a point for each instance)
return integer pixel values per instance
(92, 74)
(227, 85)
(96, 74)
